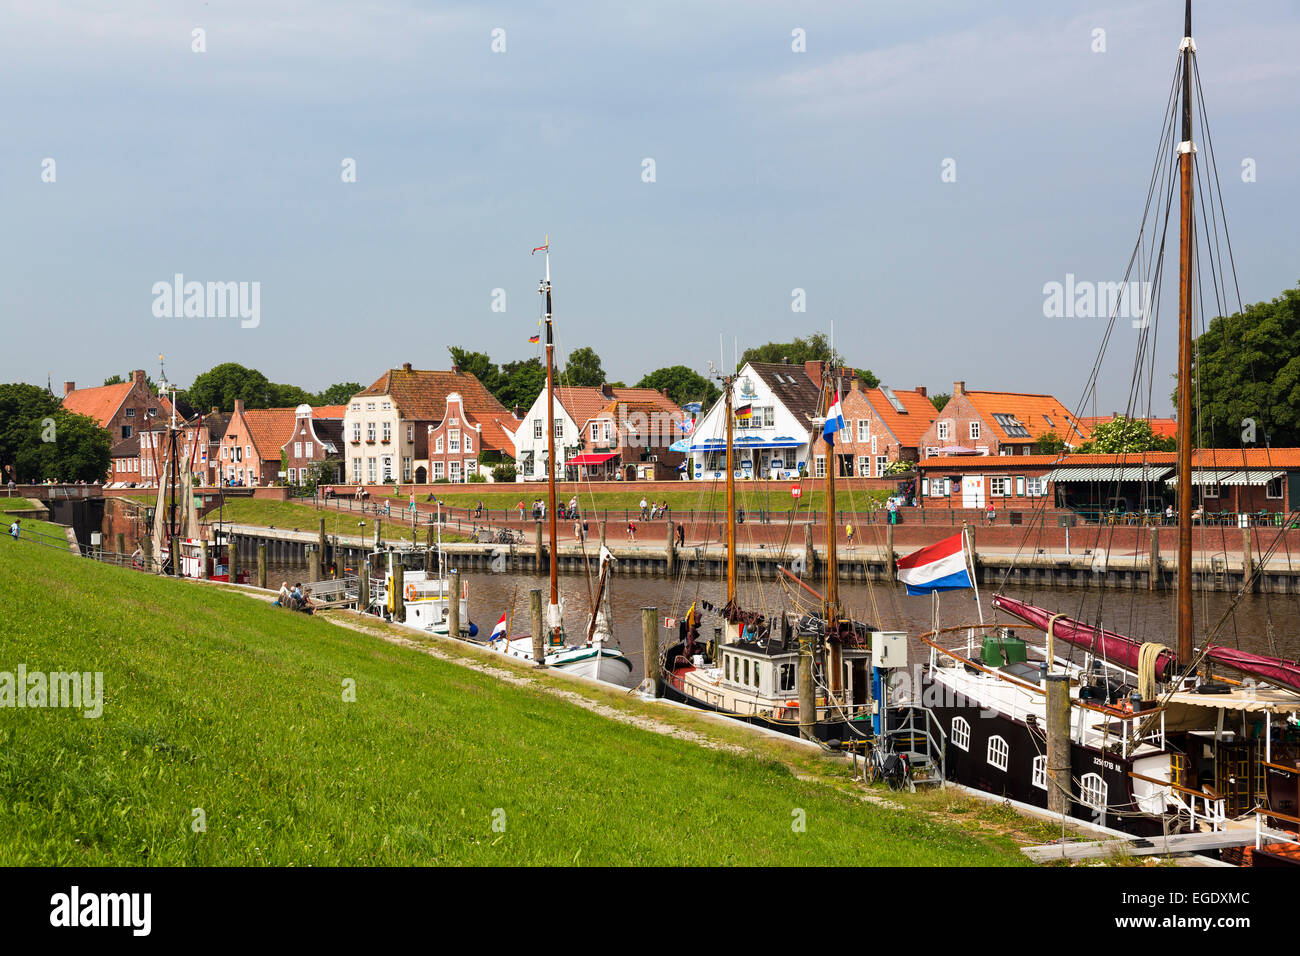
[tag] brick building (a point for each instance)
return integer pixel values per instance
(123, 409)
(882, 426)
(998, 423)
(454, 443)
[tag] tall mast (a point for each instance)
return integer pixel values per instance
(1185, 151)
(727, 384)
(555, 624)
(832, 608)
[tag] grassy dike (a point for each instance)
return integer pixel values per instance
(215, 700)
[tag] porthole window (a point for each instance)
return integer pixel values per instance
(1094, 791)
(960, 733)
(997, 752)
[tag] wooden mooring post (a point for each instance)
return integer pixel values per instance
(1060, 787)
(807, 693)
(453, 606)
(1153, 561)
(261, 565)
(1247, 562)
(535, 614)
(399, 602)
(203, 561)
(650, 650)
(890, 557)
(232, 547)
(323, 560)
(809, 552)
(363, 584)
(540, 566)
(670, 551)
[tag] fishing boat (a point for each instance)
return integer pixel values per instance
(1160, 740)
(599, 655)
(750, 671)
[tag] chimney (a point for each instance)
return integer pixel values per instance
(137, 377)
(853, 383)
(663, 392)
(517, 412)
(69, 388)
(239, 406)
(216, 410)
(958, 388)
(406, 367)
(607, 390)
(920, 390)
(814, 371)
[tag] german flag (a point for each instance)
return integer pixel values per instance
(534, 339)
(745, 411)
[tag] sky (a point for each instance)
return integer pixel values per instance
(775, 169)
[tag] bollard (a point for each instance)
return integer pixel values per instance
(363, 584)
(203, 561)
(807, 694)
(1247, 562)
(399, 598)
(1153, 559)
(321, 563)
(539, 641)
(232, 546)
(670, 551)
(1059, 783)
(540, 565)
(261, 565)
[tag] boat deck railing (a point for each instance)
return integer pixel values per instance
(1264, 832)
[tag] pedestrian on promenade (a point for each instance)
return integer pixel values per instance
(848, 533)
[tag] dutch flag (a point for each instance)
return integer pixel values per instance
(938, 567)
(834, 420)
(499, 631)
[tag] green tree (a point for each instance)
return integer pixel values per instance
(478, 364)
(339, 393)
(940, 400)
(815, 348)
(584, 369)
(1123, 435)
(288, 396)
(220, 386)
(39, 439)
(1248, 368)
(1049, 443)
(683, 384)
(521, 382)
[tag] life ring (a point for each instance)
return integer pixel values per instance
(410, 592)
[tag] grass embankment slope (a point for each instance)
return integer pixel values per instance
(217, 701)
(286, 515)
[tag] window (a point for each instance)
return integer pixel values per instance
(864, 429)
(526, 463)
(406, 469)
(388, 431)
(746, 670)
(769, 416)
(787, 676)
(437, 470)
(453, 439)
(1210, 491)
(356, 431)
(388, 406)
(756, 677)
(297, 449)
(388, 468)
(1040, 772)
(882, 463)
(248, 452)
(1020, 486)
(370, 470)
(469, 442)
(223, 452)
(437, 445)
(356, 469)
(454, 471)
(1035, 487)
(130, 413)
(595, 431)
(370, 431)
(356, 406)
(410, 432)
(997, 753)
(471, 467)
(559, 429)
(974, 430)
(1274, 488)
(943, 430)
(726, 666)
(820, 466)
(153, 412)
(961, 733)
(370, 406)
(1093, 791)
(293, 476)
(537, 428)
(864, 466)
(126, 431)
(306, 449)
(998, 487)
(608, 433)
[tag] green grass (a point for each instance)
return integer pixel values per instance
(217, 701)
(17, 504)
(287, 515)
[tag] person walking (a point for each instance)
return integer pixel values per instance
(644, 507)
(15, 529)
(848, 533)
(520, 506)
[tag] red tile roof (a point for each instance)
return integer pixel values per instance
(907, 428)
(1039, 414)
(328, 411)
(421, 395)
(584, 404)
(1206, 458)
(102, 403)
(269, 429)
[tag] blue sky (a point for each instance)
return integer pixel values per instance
(774, 170)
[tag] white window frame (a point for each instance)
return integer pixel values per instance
(998, 754)
(1039, 779)
(961, 733)
(864, 429)
(819, 467)
(942, 430)
(1269, 495)
(998, 486)
(538, 430)
(974, 431)
(438, 471)
(1093, 791)
(882, 464)
(469, 442)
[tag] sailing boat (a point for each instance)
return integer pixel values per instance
(751, 673)
(427, 597)
(1156, 745)
(600, 656)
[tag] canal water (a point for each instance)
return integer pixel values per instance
(1140, 614)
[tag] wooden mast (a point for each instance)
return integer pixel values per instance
(1185, 150)
(555, 626)
(832, 605)
(727, 384)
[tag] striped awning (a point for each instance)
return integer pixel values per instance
(1108, 473)
(1230, 478)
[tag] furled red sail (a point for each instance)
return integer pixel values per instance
(1102, 643)
(1124, 651)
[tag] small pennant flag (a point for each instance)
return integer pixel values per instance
(499, 631)
(545, 247)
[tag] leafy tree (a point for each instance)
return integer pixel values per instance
(815, 348)
(288, 396)
(1248, 369)
(339, 393)
(39, 439)
(479, 365)
(1049, 443)
(521, 382)
(940, 400)
(584, 369)
(1123, 435)
(220, 386)
(683, 384)
(120, 380)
